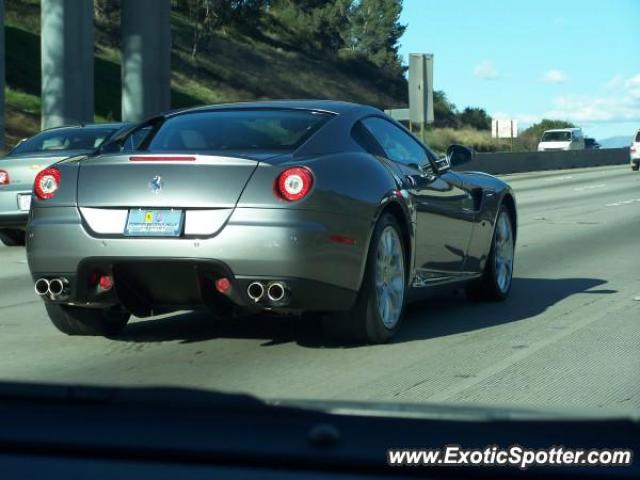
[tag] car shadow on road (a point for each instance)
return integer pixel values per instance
(442, 314)
(452, 313)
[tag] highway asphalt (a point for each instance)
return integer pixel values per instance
(569, 335)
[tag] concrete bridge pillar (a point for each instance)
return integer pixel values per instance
(67, 62)
(2, 77)
(146, 58)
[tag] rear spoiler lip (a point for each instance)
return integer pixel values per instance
(162, 158)
(269, 158)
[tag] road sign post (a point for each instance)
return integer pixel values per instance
(504, 128)
(420, 90)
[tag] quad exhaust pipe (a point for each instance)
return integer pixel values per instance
(54, 288)
(276, 292)
(58, 287)
(273, 292)
(255, 291)
(42, 286)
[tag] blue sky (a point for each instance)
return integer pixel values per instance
(569, 59)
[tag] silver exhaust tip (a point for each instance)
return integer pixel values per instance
(41, 286)
(276, 292)
(255, 291)
(58, 286)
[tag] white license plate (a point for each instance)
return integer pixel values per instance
(24, 201)
(154, 223)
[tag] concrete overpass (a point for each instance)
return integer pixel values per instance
(67, 48)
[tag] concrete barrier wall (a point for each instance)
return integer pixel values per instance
(516, 162)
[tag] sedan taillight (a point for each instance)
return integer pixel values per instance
(4, 177)
(47, 183)
(633, 150)
(294, 183)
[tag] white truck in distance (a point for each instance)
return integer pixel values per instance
(561, 139)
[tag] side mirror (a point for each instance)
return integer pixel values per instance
(459, 155)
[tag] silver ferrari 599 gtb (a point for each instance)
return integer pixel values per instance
(284, 206)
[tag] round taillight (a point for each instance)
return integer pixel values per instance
(47, 183)
(294, 183)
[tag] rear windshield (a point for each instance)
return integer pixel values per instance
(638, 136)
(64, 139)
(237, 130)
(556, 137)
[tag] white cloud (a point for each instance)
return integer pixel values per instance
(485, 70)
(589, 109)
(523, 118)
(554, 76)
(616, 82)
(528, 118)
(625, 106)
(620, 102)
(632, 86)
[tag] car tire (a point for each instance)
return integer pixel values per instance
(12, 238)
(107, 322)
(495, 283)
(635, 167)
(385, 280)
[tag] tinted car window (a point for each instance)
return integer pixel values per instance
(64, 139)
(133, 141)
(556, 137)
(363, 137)
(638, 136)
(398, 145)
(237, 130)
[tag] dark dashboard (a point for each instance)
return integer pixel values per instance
(69, 432)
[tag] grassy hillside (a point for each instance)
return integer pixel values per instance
(440, 138)
(232, 66)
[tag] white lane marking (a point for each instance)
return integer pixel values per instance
(555, 179)
(623, 202)
(589, 187)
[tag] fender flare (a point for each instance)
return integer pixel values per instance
(398, 200)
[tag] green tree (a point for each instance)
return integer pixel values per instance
(209, 16)
(376, 31)
(444, 112)
(329, 24)
(107, 21)
(316, 24)
(476, 118)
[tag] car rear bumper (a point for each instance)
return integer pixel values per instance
(256, 244)
(10, 215)
(14, 220)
